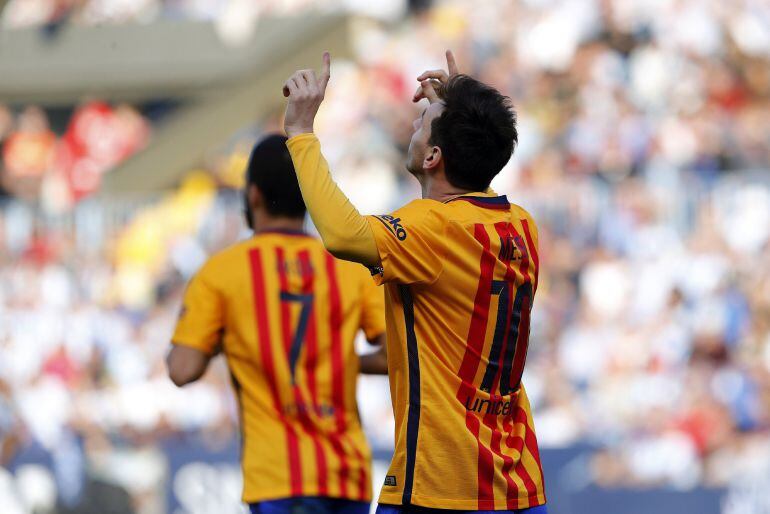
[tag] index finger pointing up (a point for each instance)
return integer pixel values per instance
(325, 71)
(451, 64)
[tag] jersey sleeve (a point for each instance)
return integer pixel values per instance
(373, 308)
(343, 230)
(410, 243)
(201, 320)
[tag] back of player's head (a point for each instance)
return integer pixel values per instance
(476, 132)
(272, 171)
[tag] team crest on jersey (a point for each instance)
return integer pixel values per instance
(393, 225)
(296, 267)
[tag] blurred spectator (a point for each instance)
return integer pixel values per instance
(6, 122)
(98, 137)
(27, 152)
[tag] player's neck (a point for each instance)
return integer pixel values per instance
(268, 223)
(439, 189)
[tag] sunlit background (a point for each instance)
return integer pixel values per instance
(644, 156)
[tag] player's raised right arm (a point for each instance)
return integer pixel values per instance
(344, 231)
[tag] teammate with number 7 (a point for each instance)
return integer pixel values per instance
(285, 314)
(460, 269)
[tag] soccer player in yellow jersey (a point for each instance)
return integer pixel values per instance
(460, 270)
(285, 314)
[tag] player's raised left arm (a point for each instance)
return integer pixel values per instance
(344, 231)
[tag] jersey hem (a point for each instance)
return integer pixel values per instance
(419, 500)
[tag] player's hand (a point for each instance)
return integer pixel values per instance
(432, 81)
(305, 93)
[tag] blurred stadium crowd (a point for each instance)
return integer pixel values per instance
(644, 154)
(62, 169)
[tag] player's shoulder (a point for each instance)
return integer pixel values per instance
(520, 211)
(229, 251)
(224, 260)
(524, 215)
(420, 206)
(423, 216)
(416, 212)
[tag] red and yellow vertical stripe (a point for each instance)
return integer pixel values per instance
(324, 450)
(508, 466)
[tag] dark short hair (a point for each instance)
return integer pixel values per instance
(476, 132)
(272, 171)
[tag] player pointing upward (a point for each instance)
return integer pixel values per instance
(460, 269)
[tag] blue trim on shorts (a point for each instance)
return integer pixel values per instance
(399, 509)
(310, 505)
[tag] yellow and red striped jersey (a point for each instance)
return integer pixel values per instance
(460, 279)
(287, 313)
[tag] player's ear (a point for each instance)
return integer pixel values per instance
(252, 200)
(254, 196)
(432, 158)
(247, 209)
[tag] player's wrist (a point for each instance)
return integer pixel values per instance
(292, 131)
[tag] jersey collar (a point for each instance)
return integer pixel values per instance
(284, 231)
(487, 199)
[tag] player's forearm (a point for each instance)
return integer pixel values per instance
(186, 365)
(375, 363)
(345, 233)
